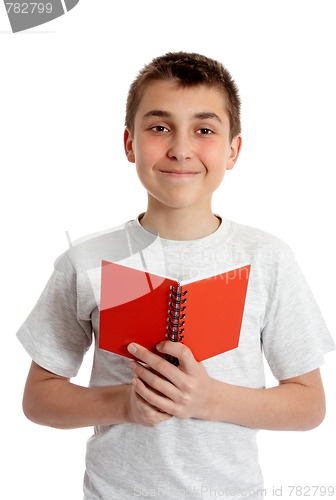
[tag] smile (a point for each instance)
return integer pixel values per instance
(179, 173)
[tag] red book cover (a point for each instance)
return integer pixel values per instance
(137, 306)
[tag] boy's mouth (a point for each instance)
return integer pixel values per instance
(179, 173)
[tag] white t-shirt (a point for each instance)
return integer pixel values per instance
(191, 458)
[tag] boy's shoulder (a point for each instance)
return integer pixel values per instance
(257, 241)
(88, 250)
(113, 244)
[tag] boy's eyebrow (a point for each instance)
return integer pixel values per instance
(205, 115)
(157, 112)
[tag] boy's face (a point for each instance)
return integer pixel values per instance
(181, 144)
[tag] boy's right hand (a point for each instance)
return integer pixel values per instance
(139, 411)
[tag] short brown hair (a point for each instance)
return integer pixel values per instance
(188, 69)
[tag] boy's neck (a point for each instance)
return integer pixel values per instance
(179, 224)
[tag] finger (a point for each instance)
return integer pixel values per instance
(187, 362)
(156, 362)
(147, 414)
(159, 402)
(155, 380)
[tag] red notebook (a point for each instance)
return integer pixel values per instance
(137, 306)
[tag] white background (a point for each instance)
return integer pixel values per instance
(62, 92)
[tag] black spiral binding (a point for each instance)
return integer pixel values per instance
(176, 317)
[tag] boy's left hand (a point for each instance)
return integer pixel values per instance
(183, 391)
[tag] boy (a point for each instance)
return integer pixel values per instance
(184, 431)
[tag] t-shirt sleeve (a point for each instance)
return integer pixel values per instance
(295, 336)
(53, 335)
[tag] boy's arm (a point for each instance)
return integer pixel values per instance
(55, 401)
(187, 391)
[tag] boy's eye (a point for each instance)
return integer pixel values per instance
(159, 128)
(204, 131)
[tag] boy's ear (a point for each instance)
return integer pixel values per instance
(128, 145)
(236, 145)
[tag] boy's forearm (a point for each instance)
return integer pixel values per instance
(289, 406)
(61, 404)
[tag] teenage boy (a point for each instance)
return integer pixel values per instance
(186, 431)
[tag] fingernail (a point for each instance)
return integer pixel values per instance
(131, 348)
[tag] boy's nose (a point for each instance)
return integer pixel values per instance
(180, 148)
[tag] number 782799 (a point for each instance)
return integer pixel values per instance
(29, 8)
(311, 491)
